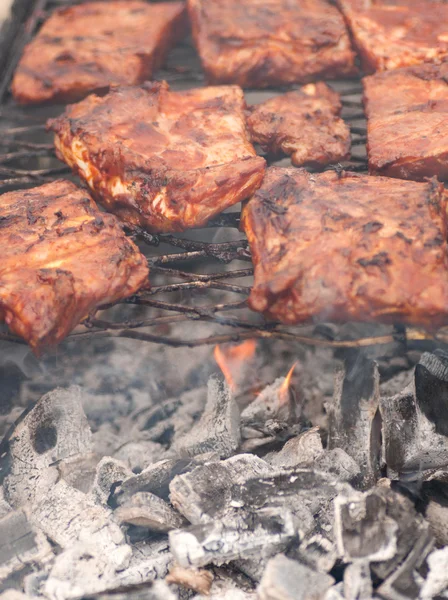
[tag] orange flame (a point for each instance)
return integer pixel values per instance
(233, 359)
(286, 384)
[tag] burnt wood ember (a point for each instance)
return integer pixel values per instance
(276, 401)
(149, 511)
(380, 527)
(358, 581)
(406, 130)
(353, 417)
(220, 542)
(396, 33)
(21, 543)
(55, 429)
(384, 260)
(305, 124)
(110, 473)
(437, 580)
(163, 160)
(414, 421)
(287, 579)
(218, 429)
(86, 48)
(316, 551)
(155, 478)
(262, 43)
(61, 259)
(205, 493)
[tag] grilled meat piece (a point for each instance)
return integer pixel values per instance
(61, 258)
(397, 33)
(407, 126)
(348, 247)
(305, 124)
(91, 46)
(261, 43)
(159, 159)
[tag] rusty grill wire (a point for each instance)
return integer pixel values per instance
(211, 264)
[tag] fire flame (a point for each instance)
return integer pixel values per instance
(284, 389)
(232, 360)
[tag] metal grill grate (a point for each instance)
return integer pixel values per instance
(202, 275)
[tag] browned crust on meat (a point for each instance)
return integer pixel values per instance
(61, 259)
(262, 43)
(304, 124)
(348, 247)
(407, 126)
(389, 34)
(91, 46)
(162, 160)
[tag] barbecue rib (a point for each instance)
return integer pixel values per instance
(407, 126)
(61, 258)
(348, 247)
(91, 46)
(397, 33)
(260, 43)
(304, 123)
(159, 159)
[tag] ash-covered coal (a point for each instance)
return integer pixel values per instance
(250, 493)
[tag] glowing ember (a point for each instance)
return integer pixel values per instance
(233, 360)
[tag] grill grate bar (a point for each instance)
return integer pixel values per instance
(211, 257)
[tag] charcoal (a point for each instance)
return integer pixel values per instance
(404, 583)
(137, 455)
(219, 542)
(338, 463)
(431, 389)
(205, 493)
(303, 491)
(287, 579)
(55, 429)
(171, 418)
(276, 401)
(105, 440)
(414, 438)
(316, 551)
(67, 516)
(354, 424)
(218, 429)
(148, 510)
(358, 581)
(81, 571)
(20, 543)
(110, 473)
(198, 580)
(378, 526)
(155, 479)
(5, 508)
(157, 590)
(79, 471)
(299, 451)
(436, 580)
